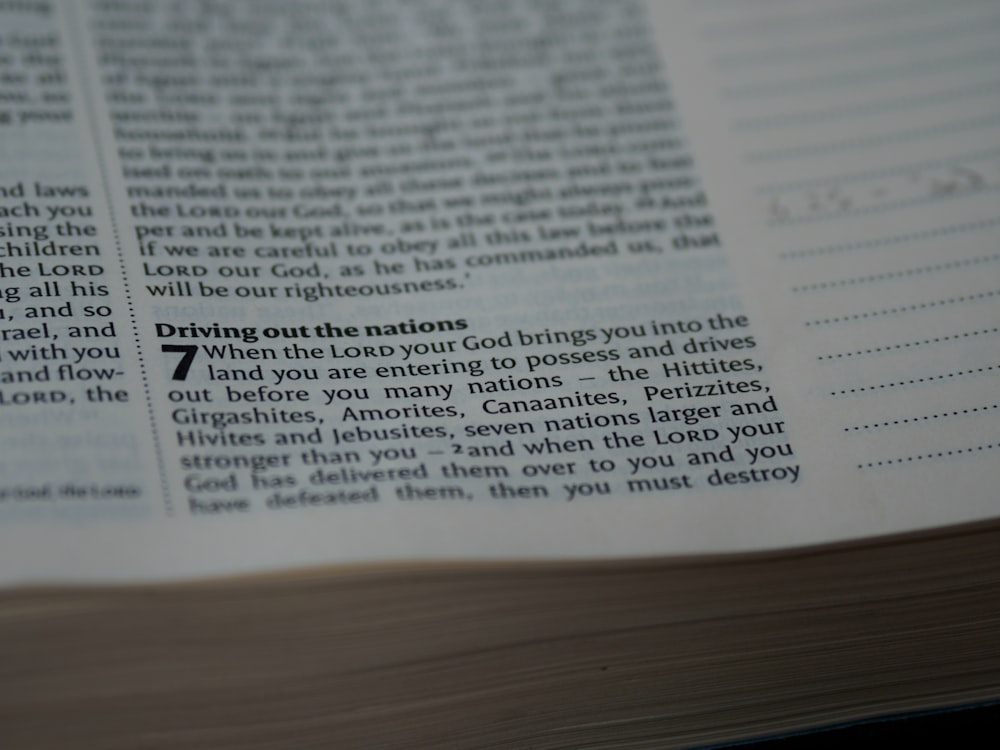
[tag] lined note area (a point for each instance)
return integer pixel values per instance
(871, 132)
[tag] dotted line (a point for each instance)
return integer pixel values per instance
(928, 234)
(910, 344)
(906, 308)
(897, 274)
(876, 208)
(914, 381)
(822, 149)
(106, 185)
(911, 420)
(928, 456)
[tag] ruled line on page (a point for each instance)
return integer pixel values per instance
(928, 456)
(926, 379)
(903, 421)
(988, 121)
(748, 60)
(883, 348)
(905, 273)
(869, 75)
(893, 239)
(855, 15)
(853, 317)
(879, 105)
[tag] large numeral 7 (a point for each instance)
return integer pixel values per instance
(188, 350)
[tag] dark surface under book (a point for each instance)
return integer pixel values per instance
(965, 726)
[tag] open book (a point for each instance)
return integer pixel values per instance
(452, 373)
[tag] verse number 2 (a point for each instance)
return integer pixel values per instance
(188, 350)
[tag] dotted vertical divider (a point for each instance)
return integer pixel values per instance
(90, 89)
